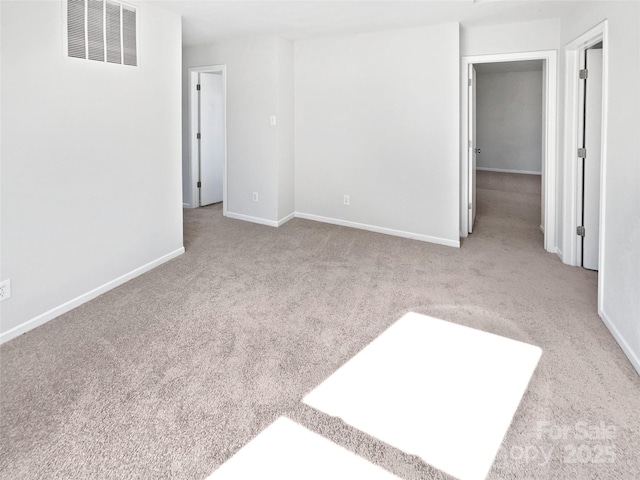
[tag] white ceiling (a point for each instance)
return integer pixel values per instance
(205, 22)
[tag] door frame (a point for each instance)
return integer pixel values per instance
(194, 123)
(472, 124)
(572, 246)
(550, 115)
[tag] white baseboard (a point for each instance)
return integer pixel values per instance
(90, 295)
(386, 231)
(186, 205)
(249, 218)
(284, 220)
(542, 228)
(258, 220)
(504, 170)
(626, 348)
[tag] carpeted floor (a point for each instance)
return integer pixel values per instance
(170, 374)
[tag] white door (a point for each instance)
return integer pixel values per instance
(591, 169)
(211, 138)
(472, 146)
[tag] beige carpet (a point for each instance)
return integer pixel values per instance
(170, 374)
(287, 451)
(387, 391)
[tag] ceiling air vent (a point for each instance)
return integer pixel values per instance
(75, 28)
(113, 32)
(130, 54)
(102, 30)
(95, 29)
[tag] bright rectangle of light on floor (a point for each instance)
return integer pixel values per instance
(441, 391)
(288, 451)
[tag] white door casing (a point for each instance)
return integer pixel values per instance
(574, 54)
(472, 146)
(550, 161)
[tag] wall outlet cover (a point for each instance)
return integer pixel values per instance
(5, 290)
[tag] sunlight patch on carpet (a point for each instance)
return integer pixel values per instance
(288, 451)
(441, 391)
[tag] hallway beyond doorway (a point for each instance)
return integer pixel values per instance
(509, 208)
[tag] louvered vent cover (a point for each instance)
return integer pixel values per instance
(102, 30)
(75, 28)
(114, 53)
(95, 29)
(129, 36)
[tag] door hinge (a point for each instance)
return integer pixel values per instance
(584, 74)
(470, 144)
(199, 184)
(470, 206)
(197, 136)
(198, 87)
(470, 82)
(582, 153)
(580, 231)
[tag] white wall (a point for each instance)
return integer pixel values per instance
(510, 37)
(286, 129)
(509, 121)
(90, 162)
(377, 118)
(251, 141)
(620, 260)
(255, 87)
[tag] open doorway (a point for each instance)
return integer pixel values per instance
(207, 127)
(589, 156)
(508, 136)
(585, 153)
(548, 64)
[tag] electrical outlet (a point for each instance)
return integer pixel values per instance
(5, 290)
(347, 200)
(255, 196)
